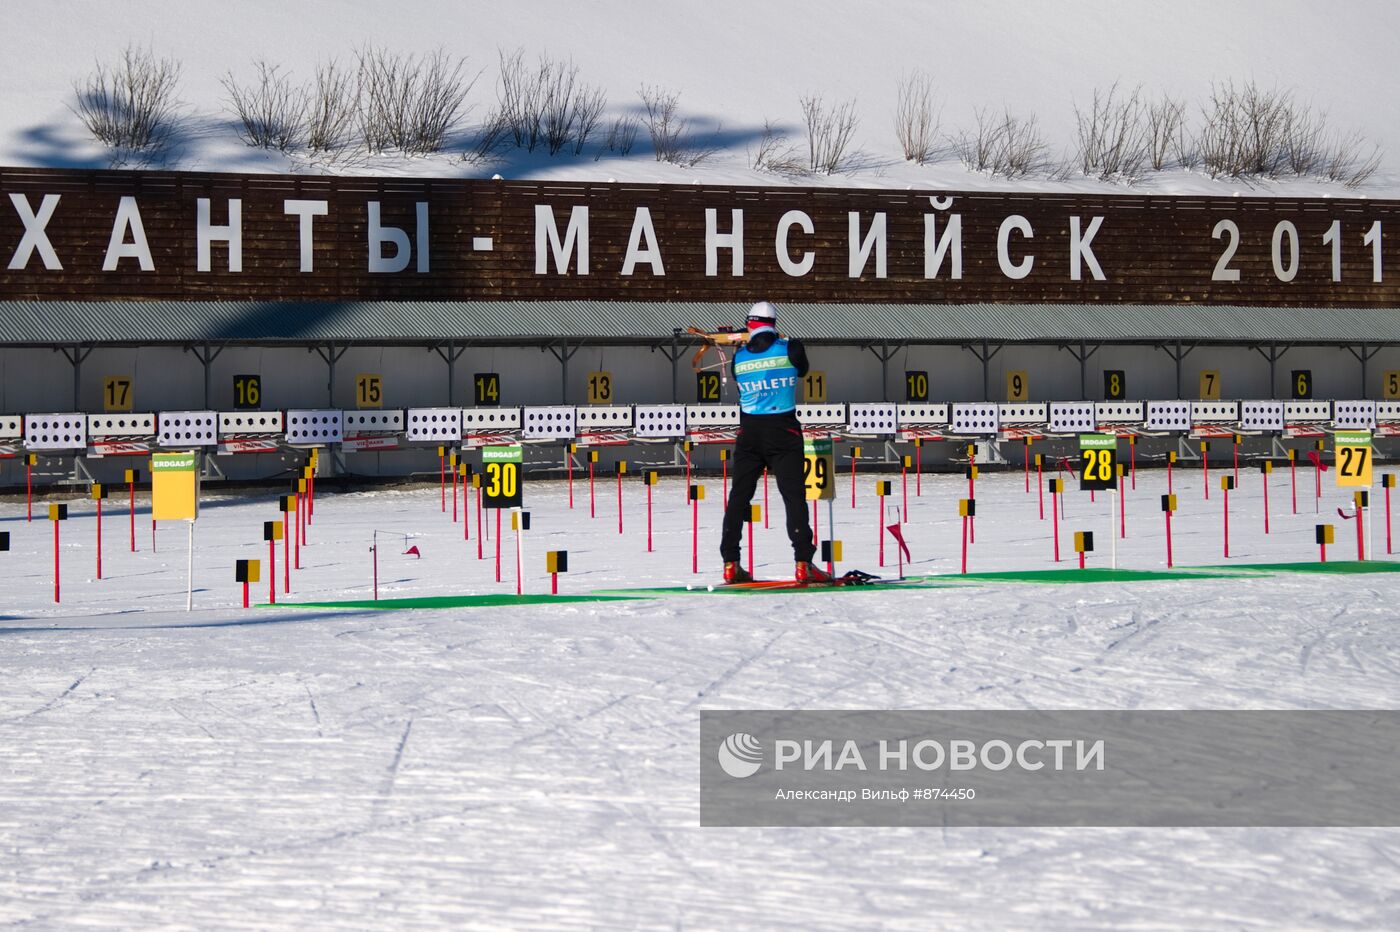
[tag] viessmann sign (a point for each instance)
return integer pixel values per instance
(108, 234)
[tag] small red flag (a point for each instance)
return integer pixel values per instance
(898, 534)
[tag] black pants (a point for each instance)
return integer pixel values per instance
(773, 441)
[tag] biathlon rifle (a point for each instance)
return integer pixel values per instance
(716, 340)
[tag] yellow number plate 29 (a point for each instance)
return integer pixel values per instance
(819, 470)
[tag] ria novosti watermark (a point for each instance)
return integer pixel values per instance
(1050, 768)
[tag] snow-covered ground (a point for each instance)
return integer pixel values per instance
(535, 766)
(735, 65)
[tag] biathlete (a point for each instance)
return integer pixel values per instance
(767, 370)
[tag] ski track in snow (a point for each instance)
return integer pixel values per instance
(535, 766)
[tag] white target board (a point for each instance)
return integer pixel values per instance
(549, 423)
(433, 425)
(1387, 412)
(1261, 415)
(374, 422)
(1169, 415)
(1307, 412)
(312, 426)
(918, 414)
(1022, 414)
(490, 419)
(1120, 412)
(1355, 415)
(825, 415)
(711, 416)
(239, 423)
(1073, 417)
(1215, 412)
(55, 431)
(659, 421)
(604, 417)
(979, 417)
(873, 419)
(187, 429)
(11, 426)
(121, 425)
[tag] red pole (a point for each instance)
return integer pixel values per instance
(1169, 539)
(1122, 511)
(1055, 520)
(466, 510)
(619, 503)
(765, 497)
(272, 572)
(1205, 472)
(296, 532)
(442, 478)
(498, 545)
(648, 517)
(972, 496)
(1081, 559)
(1227, 522)
(592, 506)
(245, 595)
(1028, 468)
(750, 536)
(55, 561)
(1266, 502)
(918, 469)
(880, 526)
(153, 535)
(1324, 552)
(132, 493)
(853, 479)
(1360, 536)
(286, 554)
(1293, 480)
(311, 496)
(1388, 518)
(99, 538)
(553, 583)
(454, 496)
(1040, 488)
(1317, 480)
(519, 570)
(1132, 460)
(964, 544)
(480, 528)
(569, 465)
(904, 480)
(695, 534)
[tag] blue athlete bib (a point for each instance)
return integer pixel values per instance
(767, 381)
